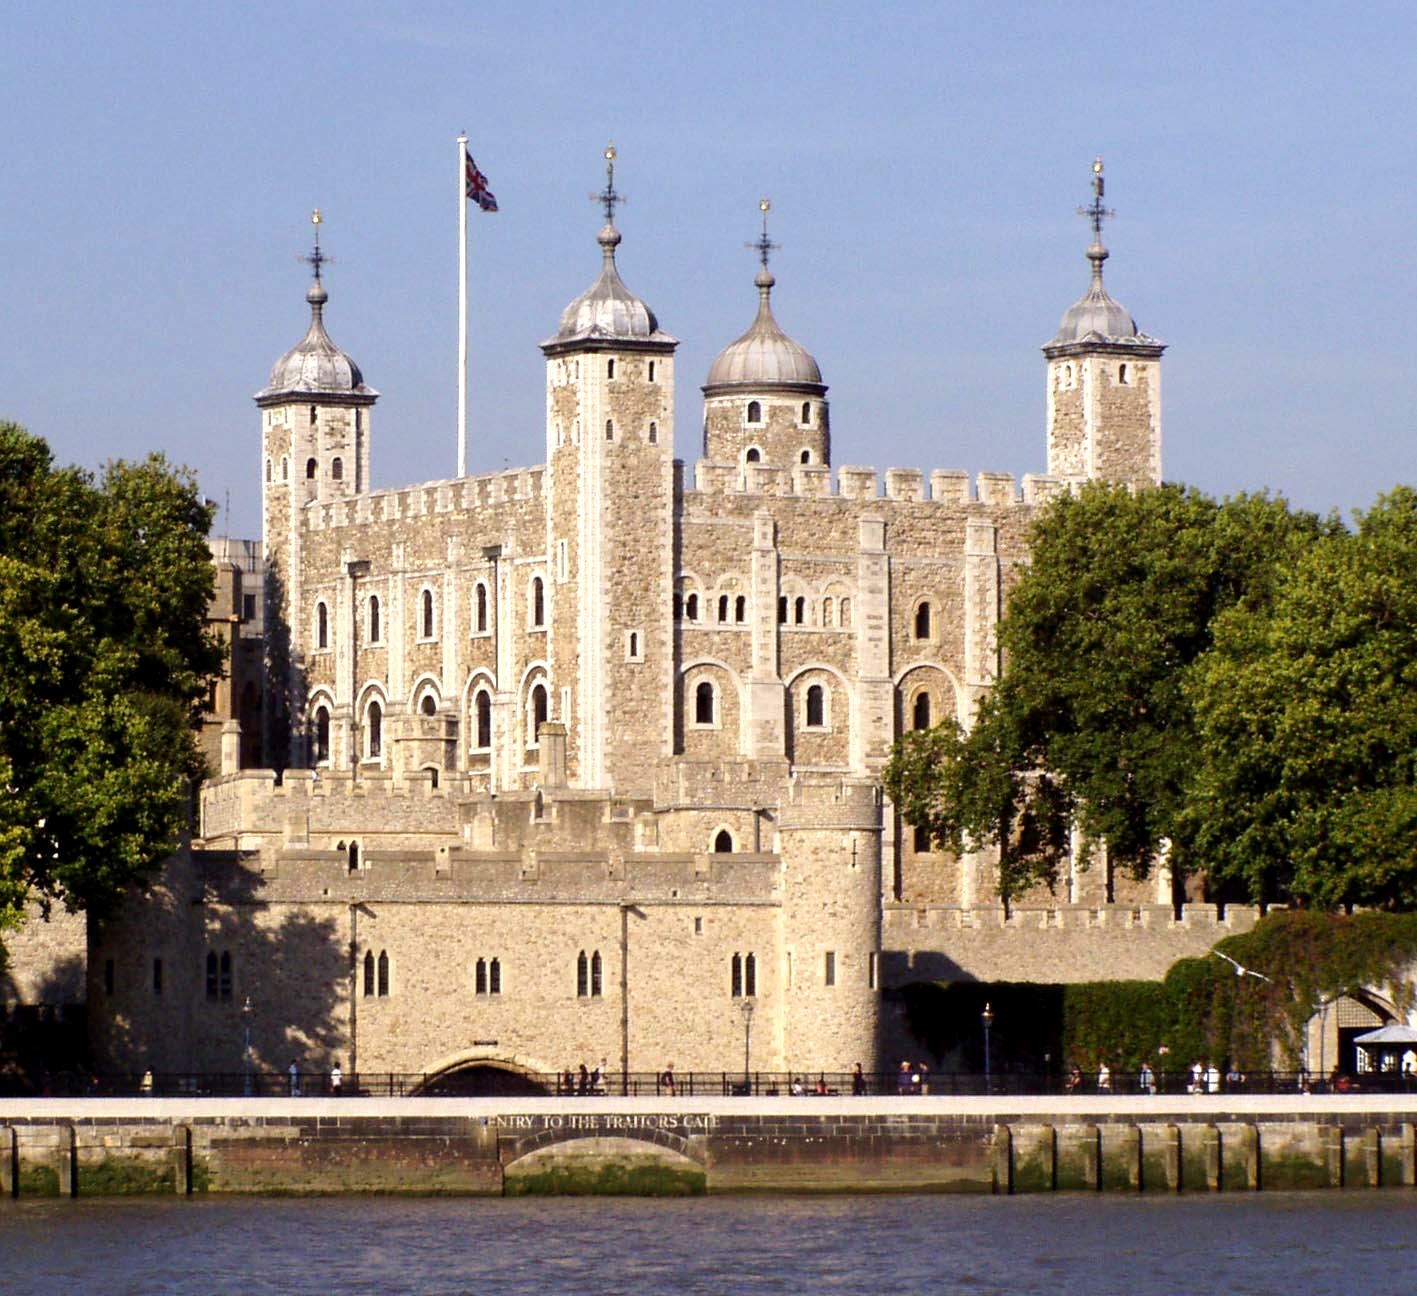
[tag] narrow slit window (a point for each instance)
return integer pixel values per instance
(703, 703)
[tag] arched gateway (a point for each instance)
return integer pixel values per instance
(483, 1077)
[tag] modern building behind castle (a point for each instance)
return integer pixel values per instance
(575, 761)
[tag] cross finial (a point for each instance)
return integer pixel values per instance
(609, 197)
(317, 258)
(1095, 211)
(763, 245)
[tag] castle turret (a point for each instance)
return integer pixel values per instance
(764, 401)
(315, 440)
(1104, 382)
(610, 489)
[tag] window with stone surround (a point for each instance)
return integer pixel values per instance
(651, 375)
(743, 976)
(489, 976)
(691, 607)
(845, 609)
(322, 735)
(782, 609)
(920, 711)
(799, 611)
(752, 455)
(337, 469)
(595, 975)
(311, 467)
(754, 412)
(589, 978)
(922, 619)
(805, 457)
(374, 731)
(610, 368)
(536, 604)
(482, 720)
(829, 970)
(322, 625)
(815, 709)
(369, 974)
(610, 429)
(740, 610)
(723, 607)
(268, 471)
(479, 609)
(376, 629)
(219, 975)
(429, 705)
(705, 703)
(920, 840)
(723, 842)
(634, 646)
(426, 622)
(653, 428)
(383, 973)
(284, 469)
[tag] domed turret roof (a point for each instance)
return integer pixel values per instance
(607, 312)
(764, 356)
(315, 366)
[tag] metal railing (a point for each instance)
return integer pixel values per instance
(493, 1082)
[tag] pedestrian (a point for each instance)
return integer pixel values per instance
(145, 1085)
(293, 1071)
(597, 1079)
(568, 1082)
(336, 1079)
(1212, 1078)
(924, 1078)
(1197, 1081)
(1074, 1082)
(858, 1081)
(1104, 1078)
(666, 1079)
(902, 1081)
(583, 1087)
(1234, 1079)
(1146, 1079)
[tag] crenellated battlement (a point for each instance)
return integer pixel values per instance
(462, 495)
(901, 485)
(903, 919)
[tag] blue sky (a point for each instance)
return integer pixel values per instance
(160, 161)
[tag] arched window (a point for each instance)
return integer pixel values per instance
(755, 412)
(737, 976)
(653, 427)
(354, 857)
(284, 469)
(827, 610)
(429, 705)
(479, 608)
(322, 735)
(374, 748)
(538, 603)
(610, 368)
(782, 609)
(610, 429)
(805, 456)
(383, 973)
(481, 982)
(376, 632)
(806, 418)
(482, 706)
(426, 614)
(703, 703)
(494, 977)
(816, 707)
(1122, 373)
(754, 455)
(369, 974)
(632, 646)
(337, 468)
(322, 626)
(920, 712)
(651, 376)
(314, 411)
(740, 610)
(691, 607)
(678, 606)
(799, 610)
(268, 470)
(595, 975)
(582, 975)
(310, 466)
(723, 607)
(845, 612)
(537, 713)
(922, 621)
(723, 842)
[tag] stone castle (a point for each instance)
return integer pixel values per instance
(582, 761)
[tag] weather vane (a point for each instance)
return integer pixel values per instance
(1095, 211)
(317, 258)
(763, 245)
(609, 197)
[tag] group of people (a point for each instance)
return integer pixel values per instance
(1203, 1078)
(912, 1078)
(585, 1082)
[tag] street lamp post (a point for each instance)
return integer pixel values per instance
(246, 1046)
(747, 1009)
(987, 1018)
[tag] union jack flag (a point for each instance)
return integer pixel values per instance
(477, 188)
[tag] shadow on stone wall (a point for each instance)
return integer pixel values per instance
(45, 1036)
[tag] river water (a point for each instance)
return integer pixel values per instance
(1295, 1244)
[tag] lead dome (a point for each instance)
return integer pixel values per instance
(764, 355)
(316, 366)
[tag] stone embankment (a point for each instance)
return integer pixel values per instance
(77, 1147)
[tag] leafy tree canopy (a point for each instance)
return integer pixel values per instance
(1307, 714)
(1091, 725)
(105, 663)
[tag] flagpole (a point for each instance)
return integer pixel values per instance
(462, 306)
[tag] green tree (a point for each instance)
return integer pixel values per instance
(105, 663)
(1307, 784)
(1090, 725)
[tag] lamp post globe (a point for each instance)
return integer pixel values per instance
(746, 1008)
(987, 1019)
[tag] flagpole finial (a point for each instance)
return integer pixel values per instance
(1096, 213)
(609, 197)
(317, 259)
(763, 245)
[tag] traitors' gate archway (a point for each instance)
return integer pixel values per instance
(482, 1078)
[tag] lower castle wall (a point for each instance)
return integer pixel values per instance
(494, 1146)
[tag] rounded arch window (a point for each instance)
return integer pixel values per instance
(322, 626)
(922, 621)
(653, 427)
(310, 466)
(337, 468)
(723, 607)
(538, 602)
(482, 720)
(723, 842)
(425, 610)
(479, 608)
(322, 735)
(806, 416)
(429, 705)
(375, 629)
(704, 703)
(740, 609)
(1122, 373)
(754, 455)
(920, 717)
(536, 713)
(284, 469)
(816, 707)
(374, 726)
(691, 607)
(268, 470)
(755, 412)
